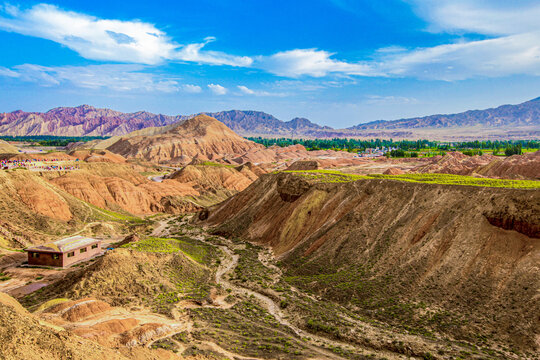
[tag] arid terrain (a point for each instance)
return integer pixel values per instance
(216, 247)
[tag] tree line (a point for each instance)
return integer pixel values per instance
(49, 140)
(356, 145)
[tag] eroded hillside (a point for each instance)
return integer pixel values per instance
(455, 260)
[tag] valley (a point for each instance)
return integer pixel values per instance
(245, 306)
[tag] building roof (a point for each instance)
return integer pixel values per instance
(65, 245)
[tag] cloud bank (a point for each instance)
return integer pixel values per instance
(108, 40)
(492, 39)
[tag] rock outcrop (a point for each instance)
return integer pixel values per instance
(213, 177)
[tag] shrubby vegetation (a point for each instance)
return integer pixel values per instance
(472, 152)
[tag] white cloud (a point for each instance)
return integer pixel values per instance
(193, 89)
(312, 62)
(512, 46)
(217, 89)
(8, 72)
(193, 53)
(503, 56)
(245, 90)
(108, 40)
(113, 77)
(479, 16)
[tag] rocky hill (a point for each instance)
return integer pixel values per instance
(457, 260)
(212, 177)
(201, 136)
(104, 193)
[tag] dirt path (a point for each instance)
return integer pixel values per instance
(159, 231)
(154, 178)
(315, 343)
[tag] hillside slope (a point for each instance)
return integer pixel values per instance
(458, 260)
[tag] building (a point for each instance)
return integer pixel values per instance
(64, 252)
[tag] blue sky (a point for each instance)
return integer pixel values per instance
(336, 62)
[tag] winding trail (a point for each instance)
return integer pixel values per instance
(317, 344)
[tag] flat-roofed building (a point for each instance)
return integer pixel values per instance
(64, 252)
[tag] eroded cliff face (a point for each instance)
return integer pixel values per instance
(470, 255)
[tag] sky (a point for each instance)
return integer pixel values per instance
(335, 62)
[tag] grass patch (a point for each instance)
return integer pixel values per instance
(211, 163)
(116, 215)
(192, 248)
(250, 270)
(447, 179)
(329, 176)
(326, 176)
(51, 303)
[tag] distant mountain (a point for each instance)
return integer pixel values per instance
(524, 114)
(259, 123)
(82, 120)
(503, 122)
(86, 120)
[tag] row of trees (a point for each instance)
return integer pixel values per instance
(355, 145)
(47, 140)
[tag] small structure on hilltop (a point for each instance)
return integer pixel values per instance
(64, 252)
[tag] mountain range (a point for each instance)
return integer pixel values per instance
(506, 121)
